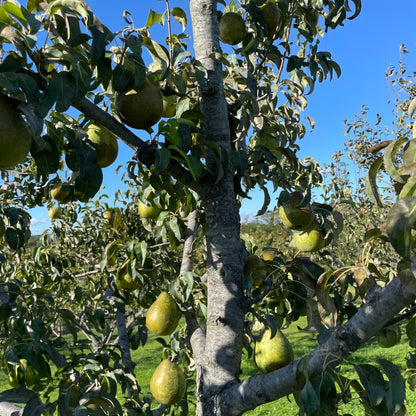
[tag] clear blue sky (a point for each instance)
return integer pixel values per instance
(365, 48)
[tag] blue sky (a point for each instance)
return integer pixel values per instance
(365, 48)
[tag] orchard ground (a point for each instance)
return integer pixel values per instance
(148, 357)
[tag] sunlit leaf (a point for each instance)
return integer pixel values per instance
(154, 18)
(390, 156)
(180, 16)
(412, 107)
(371, 181)
(399, 224)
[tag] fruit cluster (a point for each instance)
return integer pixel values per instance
(299, 216)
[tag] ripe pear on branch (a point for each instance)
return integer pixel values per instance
(15, 135)
(272, 353)
(168, 384)
(163, 316)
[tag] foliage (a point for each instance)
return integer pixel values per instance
(236, 127)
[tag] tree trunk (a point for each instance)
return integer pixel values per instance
(220, 364)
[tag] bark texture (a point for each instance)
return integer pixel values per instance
(221, 361)
(9, 409)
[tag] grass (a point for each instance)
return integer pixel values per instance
(149, 356)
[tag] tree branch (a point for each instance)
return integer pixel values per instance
(145, 153)
(372, 316)
(196, 336)
(10, 409)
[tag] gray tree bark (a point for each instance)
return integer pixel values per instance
(10, 409)
(220, 363)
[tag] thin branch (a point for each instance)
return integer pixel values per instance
(145, 153)
(190, 236)
(196, 335)
(170, 33)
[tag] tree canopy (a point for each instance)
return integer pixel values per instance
(224, 111)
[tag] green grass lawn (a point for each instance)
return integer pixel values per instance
(149, 356)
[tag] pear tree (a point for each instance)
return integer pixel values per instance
(74, 305)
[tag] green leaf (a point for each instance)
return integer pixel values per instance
(15, 11)
(187, 280)
(81, 7)
(371, 181)
(111, 253)
(409, 188)
(310, 399)
(266, 201)
(412, 107)
(194, 165)
(389, 157)
(409, 157)
(396, 392)
(98, 44)
(373, 382)
(13, 239)
(12, 63)
(406, 275)
(19, 395)
(61, 90)
(399, 224)
(357, 4)
(174, 226)
(4, 17)
(162, 160)
(373, 234)
(240, 161)
(180, 16)
(48, 157)
(87, 181)
(159, 54)
(154, 18)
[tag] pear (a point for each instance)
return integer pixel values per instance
(272, 353)
(312, 239)
(163, 315)
(231, 28)
(168, 383)
(142, 107)
(105, 143)
(55, 213)
(15, 135)
(62, 192)
(255, 267)
(295, 216)
(271, 16)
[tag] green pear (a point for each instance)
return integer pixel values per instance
(15, 135)
(163, 315)
(272, 353)
(312, 239)
(105, 143)
(294, 215)
(388, 337)
(255, 267)
(62, 192)
(142, 107)
(231, 28)
(168, 384)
